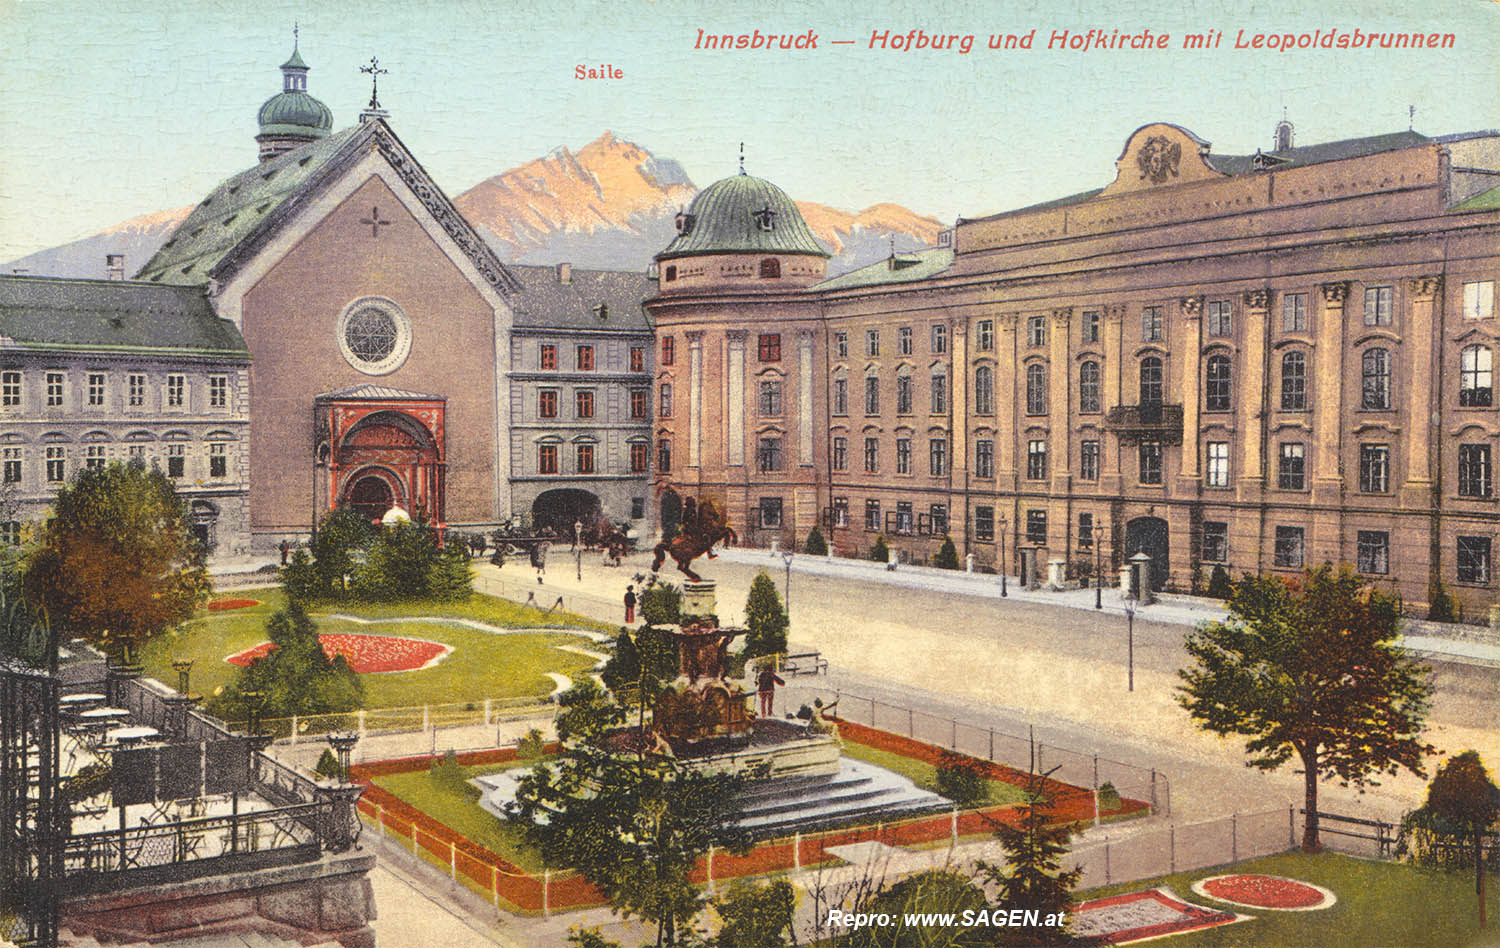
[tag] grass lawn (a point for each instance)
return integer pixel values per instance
(1381, 905)
(481, 665)
(923, 774)
(458, 809)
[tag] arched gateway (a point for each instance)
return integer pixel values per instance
(382, 448)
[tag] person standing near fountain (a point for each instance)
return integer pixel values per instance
(765, 684)
(629, 604)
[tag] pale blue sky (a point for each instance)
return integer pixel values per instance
(113, 109)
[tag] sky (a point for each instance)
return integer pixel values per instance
(109, 109)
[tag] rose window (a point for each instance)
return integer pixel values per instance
(371, 335)
(374, 335)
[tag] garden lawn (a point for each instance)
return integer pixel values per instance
(458, 809)
(1380, 905)
(924, 774)
(482, 665)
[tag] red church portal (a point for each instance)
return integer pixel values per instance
(380, 448)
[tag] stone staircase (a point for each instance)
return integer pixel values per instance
(858, 791)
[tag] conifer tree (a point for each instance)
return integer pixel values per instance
(766, 618)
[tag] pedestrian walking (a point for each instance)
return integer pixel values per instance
(629, 604)
(285, 548)
(766, 683)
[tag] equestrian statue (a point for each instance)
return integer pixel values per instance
(703, 525)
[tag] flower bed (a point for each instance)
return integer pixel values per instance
(366, 654)
(219, 605)
(1253, 890)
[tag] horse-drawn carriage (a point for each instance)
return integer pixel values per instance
(517, 538)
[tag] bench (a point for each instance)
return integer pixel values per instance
(805, 663)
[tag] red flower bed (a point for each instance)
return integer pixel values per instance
(219, 605)
(1274, 892)
(364, 653)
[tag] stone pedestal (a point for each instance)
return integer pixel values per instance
(698, 598)
(1030, 578)
(1057, 573)
(969, 563)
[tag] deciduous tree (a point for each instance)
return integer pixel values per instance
(1310, 670)
(1463, 795)
(118, 562)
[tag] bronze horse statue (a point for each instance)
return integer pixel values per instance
(701, 529)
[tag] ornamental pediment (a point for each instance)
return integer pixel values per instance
(1160, 154)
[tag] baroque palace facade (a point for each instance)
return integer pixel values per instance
(1263, 362)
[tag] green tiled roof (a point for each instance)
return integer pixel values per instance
(546, 303)
(295, 113)
(235, 208)
(723, 218)
(113, 316)
(1483, 201)
(901, 268)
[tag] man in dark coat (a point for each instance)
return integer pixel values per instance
(629, 604)
(766, 683)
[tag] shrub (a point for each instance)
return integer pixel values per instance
(661, 604)
(755, 916)
(880, 552)
(1109, 797)
(296, 677)
(1440, 604)
(397, 564)
(449, 577)
(589, 938)
(448, 775)
(1219, 586)
(341, 535)
(531, 745)
(765, 617)
(815, 545)
(299, 578)
(960, 779)
(947, 555)
(328, 765)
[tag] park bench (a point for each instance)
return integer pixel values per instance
(805, 663)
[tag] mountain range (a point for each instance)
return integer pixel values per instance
(609, 205)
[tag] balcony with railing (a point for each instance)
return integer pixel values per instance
(1150, 421)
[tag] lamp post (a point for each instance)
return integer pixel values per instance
(1098, 568)
(1004, 564)
(1130, 638)
(787, 559)
(578, 546)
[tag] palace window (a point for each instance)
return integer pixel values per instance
(135, 390)
(903, 393)
(546, 459)
(1474, 472)
(1474, 560)
(938, 389)
(1090, 326)
(1036, 527)
(665, 399)
(94, 457)
(1215, 542)
(1291, 472)
(1373, 552)
(841, 512)
(668, 350)
(872, 515)
(1150, 462)
(10, 389)
(841, 396)
(1294, 382)
(1088, 460)
(1220, 317)
(768, 455)
(57, 462)
(640, 457)
(585, 358)
(640, 404)
(770, 268)
(903, 455)
(1036, 460)
(96, 389)
(841, 344)
(872, 395)
(218, 391)
(984, 390)
(938, 515)
(1036, 389)
(1479, 299)
(872, 455)
(984, 524)
(872, 342)
(770, 513)
(939, 339)
(984, 332)
(585, 459)
(55, 382)
(903, 340)
(176, 460)
(1294, 312)
(1375, 370)
(1036, 331)
(1151, 324)
(937, 457)
(12, 473)
(984, 458)
(10, 533)
(1377, 306)
(664, 455)
(176, 391)
(637, 358)
(218, 459)
(768, 347)
(546, 403)
(1374, 468)
(1085, 531)
(1476, 377)
(1217, 473)
(770, 398)
(906, 519)
(1288, 553)
(583, 403)
(840, 453)
(1151, 382)
(547, 356)
(1088, 387)
(1216, 394)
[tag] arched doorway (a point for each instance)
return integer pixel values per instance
(370, 496)
(560, 509)
(671, 513)
(1148, 535)
(204, 524)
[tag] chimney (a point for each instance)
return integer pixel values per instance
(565, 273)
(602, 311)
(114, 266)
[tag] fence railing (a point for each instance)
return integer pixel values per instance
(164, 844)
(402, 720)
(1077, 767)
(1145, 851)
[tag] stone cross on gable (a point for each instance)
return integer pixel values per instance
(375, 72)
(374, 221)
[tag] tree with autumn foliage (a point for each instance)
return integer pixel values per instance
(1311, 669)
(1463, 799)
(118, 562)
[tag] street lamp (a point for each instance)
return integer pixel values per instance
(1098, 568)
(1004, 565)
(787, 559)
(578, 546)
(1130, 635)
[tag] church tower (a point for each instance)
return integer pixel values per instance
(292, 118)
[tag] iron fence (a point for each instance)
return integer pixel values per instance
(1133, 852)
(180, 841)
